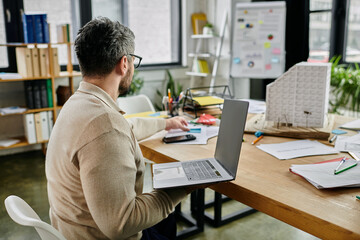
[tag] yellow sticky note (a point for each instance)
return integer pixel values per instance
(261, 22)
(267, 45)
(242, 26)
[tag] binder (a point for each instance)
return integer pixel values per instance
(38, 31)
(29, 97)
(24, 62)
(43, 93)
(49, 93)
(28, 28)
(29, 126)
(45, 28)
(35, 62)
(55, 60)
(50, 121)
(38, 127)
(44, 126)
(36, 94)
(44, 62)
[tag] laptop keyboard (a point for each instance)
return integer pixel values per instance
(199, 170)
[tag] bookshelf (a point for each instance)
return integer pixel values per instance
(69, 74)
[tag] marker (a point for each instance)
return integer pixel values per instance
(258, 139)
(333, 139)
(343, 170)
(358, 197)
(340, 163)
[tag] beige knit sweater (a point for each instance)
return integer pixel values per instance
(95, 171)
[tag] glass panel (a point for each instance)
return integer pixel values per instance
(106, 8)
(3, 50)
(151, 23)
(319, 37)
(320, 5)
(353, 33)
(58, 12)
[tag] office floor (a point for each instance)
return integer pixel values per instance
(23, 175)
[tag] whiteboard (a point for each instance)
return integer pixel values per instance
(257, 39)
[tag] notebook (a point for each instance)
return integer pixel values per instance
(222, 167)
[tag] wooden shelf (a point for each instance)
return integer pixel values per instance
(30, 111)
(23, 142)
(197, 74)
(24, 79)
(15, 44)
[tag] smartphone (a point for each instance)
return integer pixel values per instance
(183, 138)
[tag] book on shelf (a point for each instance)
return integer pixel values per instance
(35, 28)
(35, 62)
(36, 94)
(29, 97)
(24, 62)
(63, 33)
(29, 127)
(44, 126)
(50, 121)
(43, 93)
(203, 66)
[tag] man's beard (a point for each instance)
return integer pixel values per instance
(124, 86)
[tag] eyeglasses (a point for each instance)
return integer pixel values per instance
(137, 60)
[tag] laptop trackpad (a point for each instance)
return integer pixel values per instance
(169, 173)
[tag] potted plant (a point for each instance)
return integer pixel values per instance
(345, 83)
(208, 29)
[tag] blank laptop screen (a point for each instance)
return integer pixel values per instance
(231, 133)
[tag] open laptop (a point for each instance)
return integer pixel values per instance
(222, 167)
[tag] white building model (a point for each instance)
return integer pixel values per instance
(300, 96)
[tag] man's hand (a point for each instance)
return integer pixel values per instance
(175, 123)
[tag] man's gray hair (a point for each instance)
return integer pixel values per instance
(100, 44)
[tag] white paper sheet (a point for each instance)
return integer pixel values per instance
(348, 144)
(295, 149)
(322, 175)
(8, 142)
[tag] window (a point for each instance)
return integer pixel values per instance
(156, 25)
(319, 30)
(353, 33)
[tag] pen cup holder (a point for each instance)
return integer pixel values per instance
(173, 109)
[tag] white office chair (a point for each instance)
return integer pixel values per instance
(24, 215)
(135, 104)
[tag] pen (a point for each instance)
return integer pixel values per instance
(340, 163)
(258, 139)
(343, 170)
(358, 197)
(333, 138)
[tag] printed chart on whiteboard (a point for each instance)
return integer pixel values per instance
(258, 40)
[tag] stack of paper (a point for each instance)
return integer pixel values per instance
(295, 149)
(348, 144)
(202, 133)
(353, 125)
(322, 175)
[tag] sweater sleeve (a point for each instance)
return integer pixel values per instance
(145, 127)
(108, 175)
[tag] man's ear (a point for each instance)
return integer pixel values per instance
(122, 66)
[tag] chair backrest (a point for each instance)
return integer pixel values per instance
(24, 215)
(135, 104)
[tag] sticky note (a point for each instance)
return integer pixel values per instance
(242, 26)
(268, 66)
(338, 131)
(267, 45)
(195, 130)
(276, 51)
(275, 60)
(260, 21)
(236, 60)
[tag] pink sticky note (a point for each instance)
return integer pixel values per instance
(276, 51)
(268, 66)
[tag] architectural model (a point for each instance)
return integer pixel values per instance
(300, 96)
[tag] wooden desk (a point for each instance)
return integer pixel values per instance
(265, 183)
